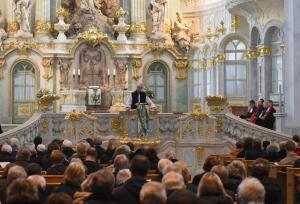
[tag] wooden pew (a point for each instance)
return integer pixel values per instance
(249, 164)
(54, 180)
(293, 176)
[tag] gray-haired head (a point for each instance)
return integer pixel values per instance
(172, 168)
(162, 164)
(251, 191)
(41, 148)
(6, 148)
(173, 181)
(15, 172)
(153, 193)
(14, 143)
(39, 181)
(121, 162)
(122, 176)
(67, 144)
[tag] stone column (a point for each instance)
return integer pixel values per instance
(138, 19)
(43, 19)
(12, 24)
(220, 84)
(292, 65)
(266, 64)
(253, 74)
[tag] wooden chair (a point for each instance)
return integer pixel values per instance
(54, 180)
(293, 176)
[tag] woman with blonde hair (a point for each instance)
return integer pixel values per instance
(237, 173)
(73, 177)
(211, 190)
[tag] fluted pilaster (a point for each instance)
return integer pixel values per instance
(42, 19)
(138, 19)
(12, 24)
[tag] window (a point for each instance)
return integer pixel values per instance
(23, 91)
(208, 81)
(277, 71)
(197, 84)
(157, 82)
(235, 69)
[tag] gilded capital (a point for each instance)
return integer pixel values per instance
(41, 26)
(138, 27)
(220, 58)
(252, 54)
(181, 67)
(202, 64)
(265, 51)
(12, 27)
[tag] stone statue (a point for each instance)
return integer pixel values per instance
(64, 67)
(157, 12)
(122, 67)
(182, 33)
(23, 15)
(93, 67)
(3, 34)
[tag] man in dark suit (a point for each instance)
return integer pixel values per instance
(139, 96)
(251, 109)
(267, 118)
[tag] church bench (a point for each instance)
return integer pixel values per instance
(293, 178)
(249, 164)
(53, 180)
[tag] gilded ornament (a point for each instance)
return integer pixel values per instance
(198, 115)
(2, 62)
(209, 34)
(252, 54)
(61, 12)
(41, 26)
(202, 64)
(216, 100)
(235, 25)
(137, 66)
(138, 28)
(46, 101)
(219, 125)
(220, 58)
(116, 124)
(74, 115)
(47, 63)
(93, 37)
(121, 13)
(181, 67)
(45, 125)
(199, 151)
(265, 51)
(118, 106)
(12, 27)
(22, 46)
(221, 29)
(213, 63)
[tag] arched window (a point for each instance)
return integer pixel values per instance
(23, 91)
(236, 69)
(277, 72)
(158, 83)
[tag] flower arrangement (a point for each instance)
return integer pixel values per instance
(43, 92)
(46, 99)
(149, 92)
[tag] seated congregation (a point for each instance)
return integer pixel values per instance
(88, 173)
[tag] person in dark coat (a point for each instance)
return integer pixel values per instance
(272, 153)
(37, 140)
(46, 161)
(211, 190)
(182, 197)
(102, 186)
(57, 167)
(247, 145)
(90, 161)
(67, 149)
(255, 152)
(6, 154)
(260, 170)
(251, 109)
(23, 157)
(98, 147)
(129, 192)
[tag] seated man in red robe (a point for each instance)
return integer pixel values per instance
(267, 118)
(257, 112)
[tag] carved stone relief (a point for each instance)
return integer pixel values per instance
(64, 66)
(122, 67)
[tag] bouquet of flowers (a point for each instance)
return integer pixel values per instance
(149, 92)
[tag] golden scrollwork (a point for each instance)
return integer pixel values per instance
(93, 37)
(220, 58)
(203, 64)
(235, 25)
(216, 100)
(118, 106)
(47, 63)
(2, 62)
(12, 27)
(221, 29)
(61, 12)
(41, 26)
(252, 54)
(45, 125)
(74, 115)
(198, 115)
(265, 51)
(209, 34)
(181, 67)
(219, 125)
(22, 46)
(121, 13)
(137, 66)
(116, 124)
(138, 28)
(46, 101)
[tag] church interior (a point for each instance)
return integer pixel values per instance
(185, 101)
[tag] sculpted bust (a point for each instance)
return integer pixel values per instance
(3, 34)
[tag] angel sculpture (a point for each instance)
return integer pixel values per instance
(3, 34)
(157, 12)
(23, 15)
(182, 32)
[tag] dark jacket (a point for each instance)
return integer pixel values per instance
(67, 188)
(273, 190)
(135, 98)
(197, 178)
(99, 199)
(100, 151)
(58, 169)
(91, 166)
(215, 199)
(233, 183)
(6, 157)
(129, 192)
(273, 156)
(253, 154)
(68, 152)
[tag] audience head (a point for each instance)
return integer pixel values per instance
(282, 145)
(290, 146)
(131, 146)
(256, 144)
(153, 193)
(67, 144)
(172, 168)
(103, 183)
(266, 104)
(14, 143)
(22, 191)
(34, 169)
(210, 184)
(270, 103)
(273, 147)
(57, 157)
(182, 197)
(37, 140)
(251, 103)
(91, 154)
(173, 181)
(222, 172)
(122, 176)
(260, 102)
(239, 144)
(139, 166)
(265, 144)
(41, 148)
(248, 143)
(74, 173)
(162, 164)
(98, 141)
(59, 198)
(52, 146)
(123, 149)
(6, 148)
(15, 172)
(121, 162)
(86, 185)
(260, 168)
(81, 149)
(237, 168)
(23, 154)
(39, 181)
(210, 162)
(170, 155)
(185, 171)
(251, 191)
(296, 138)
(90, 141)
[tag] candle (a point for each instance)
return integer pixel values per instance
(74, 72)
(78, 72)
(108, 72)
(114, 72)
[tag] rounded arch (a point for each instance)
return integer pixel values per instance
(11, 78)
(168, 79)
(269, 29)
(255, 37)
(106, 43)
(233, 36)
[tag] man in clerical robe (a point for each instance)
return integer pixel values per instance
(267, 118)
(251, 109)
(257, 112)
(139, 96)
